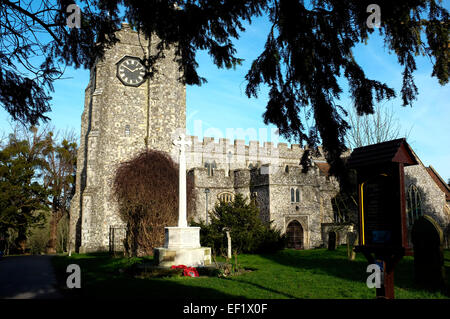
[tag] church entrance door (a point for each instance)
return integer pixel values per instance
(294, 233)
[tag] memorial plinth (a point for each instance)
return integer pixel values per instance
(182, 237)
(182, 247)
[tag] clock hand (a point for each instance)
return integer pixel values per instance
(128, 68)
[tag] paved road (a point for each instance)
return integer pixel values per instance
(27, 277)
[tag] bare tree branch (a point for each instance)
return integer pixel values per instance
(374, 128)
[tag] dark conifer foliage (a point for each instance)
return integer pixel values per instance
(308, 49)
(36, 45)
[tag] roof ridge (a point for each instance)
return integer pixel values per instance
(440, 178)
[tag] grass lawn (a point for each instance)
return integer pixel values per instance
(317, 273)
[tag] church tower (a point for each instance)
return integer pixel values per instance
(124, 113)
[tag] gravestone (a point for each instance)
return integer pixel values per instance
(428, 244)
(352, 238)
(332, 240)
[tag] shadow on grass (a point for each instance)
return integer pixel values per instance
(336, 264)
(262, 287)
(104, 277)
(404, 277)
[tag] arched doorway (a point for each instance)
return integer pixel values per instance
(294, 233)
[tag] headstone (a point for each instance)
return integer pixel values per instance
(427, 239)
(332, 240)
(352, 238)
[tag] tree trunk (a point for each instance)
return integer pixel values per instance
(51, 246)
(21, 241)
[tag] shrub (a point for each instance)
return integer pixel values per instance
(249, 234)
(146, 189)
(38, 239)
(38, 236)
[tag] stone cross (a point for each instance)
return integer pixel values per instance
(182, 210)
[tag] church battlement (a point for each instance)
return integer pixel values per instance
(239, 154)
(266, 174)
(204, 179)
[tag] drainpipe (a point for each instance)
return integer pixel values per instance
(206, 192)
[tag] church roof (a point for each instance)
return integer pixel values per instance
(439, 181)
(324, 168)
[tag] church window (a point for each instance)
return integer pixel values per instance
(225, 197)
(340, 217)
(414, 204)
(210, 166)
(127, 130)
(295, 195)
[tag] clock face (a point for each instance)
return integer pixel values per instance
(131, 71)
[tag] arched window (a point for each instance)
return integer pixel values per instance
(286, 169)
(295, 195)
(414, 204)
(225, 197)
(210, 166)
(340, 217)
(127, 130)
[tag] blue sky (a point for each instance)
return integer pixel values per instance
(221, 104)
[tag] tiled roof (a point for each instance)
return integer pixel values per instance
(324, 168)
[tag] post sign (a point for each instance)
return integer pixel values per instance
(380, 221)
(382, 207)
